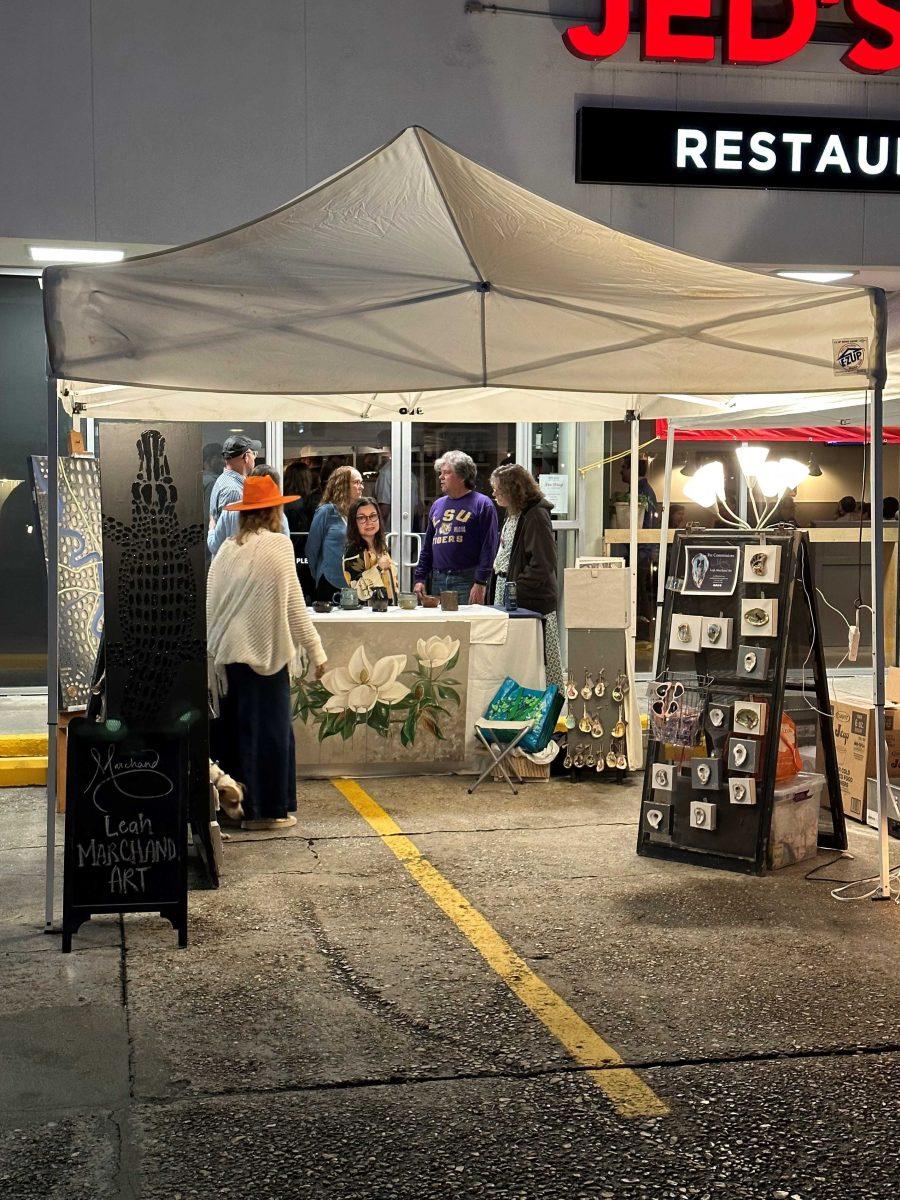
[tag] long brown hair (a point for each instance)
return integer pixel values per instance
(252, 520)
(337, 489)
(356, 543)
(517, 486)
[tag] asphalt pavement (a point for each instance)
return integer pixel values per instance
(357, 1018)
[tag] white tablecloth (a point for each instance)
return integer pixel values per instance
(498, 646)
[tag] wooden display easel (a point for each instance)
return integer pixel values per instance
(740, 840)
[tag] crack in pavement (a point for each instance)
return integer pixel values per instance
(400, 1080)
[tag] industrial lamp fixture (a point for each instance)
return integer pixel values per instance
(812, 465)
(771, 478)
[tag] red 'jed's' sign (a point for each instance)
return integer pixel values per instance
(740, 46)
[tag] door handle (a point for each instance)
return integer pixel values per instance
(418, 537)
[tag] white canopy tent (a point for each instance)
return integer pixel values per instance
(417, 285)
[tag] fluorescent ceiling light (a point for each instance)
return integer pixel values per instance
(816, 276)
(73, 254)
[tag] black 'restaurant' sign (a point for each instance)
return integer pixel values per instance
(715, 149)
(126, 826)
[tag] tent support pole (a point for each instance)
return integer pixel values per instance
(662, 568)
(878, 661)
(631, 416)
(52, 639)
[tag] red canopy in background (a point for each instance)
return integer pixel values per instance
(799, 433)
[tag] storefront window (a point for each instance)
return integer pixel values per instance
(827, 503)
(23, 416)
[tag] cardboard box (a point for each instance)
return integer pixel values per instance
(892, 685)
(855, 745)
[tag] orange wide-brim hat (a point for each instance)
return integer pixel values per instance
(260, 491)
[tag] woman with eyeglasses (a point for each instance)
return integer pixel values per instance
(367, 563)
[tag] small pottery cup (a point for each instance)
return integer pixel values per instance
(449, 601)
(322, 606)
(347, 597)
(409, 600)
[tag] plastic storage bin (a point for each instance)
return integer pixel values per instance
(795, 819)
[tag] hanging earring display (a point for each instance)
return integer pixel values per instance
(759, 618)
(611, 758)
(589, 760)
(596, 727)
(578, 760)
(621, 758)
(587, 690)
(762, 564)
(584, 725)
(618, 730)
(570, 720)
(600, 685)
(567, 762)
(571, 687)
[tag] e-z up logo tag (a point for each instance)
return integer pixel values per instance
(851, 356)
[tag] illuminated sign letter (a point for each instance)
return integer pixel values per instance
(863, 56)
(584, 43)
(690, 144)
(742, 48)
(658, 40)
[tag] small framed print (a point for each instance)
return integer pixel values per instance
(742, 790)
(749, 717)
(715, 633)
(753, 662)
(759, 618)
(662, 777)
(658, 820)
(743, 755)
(762, 563)
(710, 570)
(703, 815)
(706, 774)
(685, 632)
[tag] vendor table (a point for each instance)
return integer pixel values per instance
(417, 679)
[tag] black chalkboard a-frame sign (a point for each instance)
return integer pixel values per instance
(126, 826)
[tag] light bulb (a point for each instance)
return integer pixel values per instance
(793, 472)
(707, 485)
(770, 479)
(751, 459)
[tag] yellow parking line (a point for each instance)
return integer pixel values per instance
(628, 1093)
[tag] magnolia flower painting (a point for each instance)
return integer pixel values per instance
(384, 694)
(361, 685)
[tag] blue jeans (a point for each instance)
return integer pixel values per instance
(453, 581)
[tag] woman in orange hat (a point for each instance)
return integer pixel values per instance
(259, 632)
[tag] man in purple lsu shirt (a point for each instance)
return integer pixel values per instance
(461, 536)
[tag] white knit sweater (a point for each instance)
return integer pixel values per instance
(255, 611)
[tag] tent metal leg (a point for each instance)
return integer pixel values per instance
(52, 639)
(878, 659)
(662, 568)
(633, 529)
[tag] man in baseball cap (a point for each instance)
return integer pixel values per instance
(239, 453)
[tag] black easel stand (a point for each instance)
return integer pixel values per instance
(740, 841)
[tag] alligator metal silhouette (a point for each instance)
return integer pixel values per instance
(157, 588)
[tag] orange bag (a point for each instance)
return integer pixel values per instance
(789, 760)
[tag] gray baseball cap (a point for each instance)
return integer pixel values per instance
(237, 444)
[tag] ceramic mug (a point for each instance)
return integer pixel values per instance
(379, 600)
(408, 600)
(347, 597)
(449, 601)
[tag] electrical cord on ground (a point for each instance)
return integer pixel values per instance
(845, 884)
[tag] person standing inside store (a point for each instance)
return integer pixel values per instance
(212, 469)
(527, 556)
(367, 563)
(227, 524)
(328, 532)
(257, 625)
(240, 454)
(460, 536)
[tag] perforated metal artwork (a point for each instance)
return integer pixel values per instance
(80, 570)
(156, 587)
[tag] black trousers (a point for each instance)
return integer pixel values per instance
(253, 740)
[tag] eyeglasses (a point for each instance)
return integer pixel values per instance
(365, 518)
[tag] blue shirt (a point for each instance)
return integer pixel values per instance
(228, 489)
(325, 546)
(227, 526)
